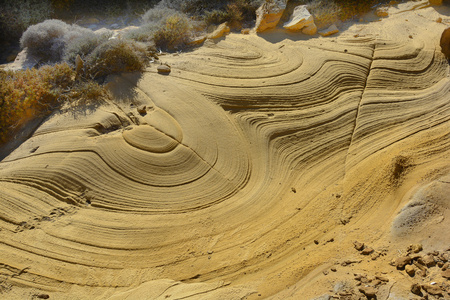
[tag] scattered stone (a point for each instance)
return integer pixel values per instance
(367, 251)
(42, 296)
(415, 289)
(415, 248)
(325, 272)
(333, 269)
(445, 42)
(445, 266)
(358, 246)
(245, 31)
(401, 262)
(439, 20)
(428, 261)
(316, 242)
(329, 31)
(446, 274)
(220, 31)
(300, 19)
(410, 270)
(376, 282)
(434, 253)
(197, 41)
(444, 257)
(163, 69)
(420, 266)
(382, 278)
(432, 289)
(368, 291)
(293, 190)
(142, 109)
(382, 11)
(269, 14)
(440, 264)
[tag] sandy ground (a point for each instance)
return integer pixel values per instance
(256, 165)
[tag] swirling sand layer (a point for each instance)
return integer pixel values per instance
(248, 152)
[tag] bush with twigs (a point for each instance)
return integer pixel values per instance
(30, 93)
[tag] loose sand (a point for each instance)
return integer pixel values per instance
(259, 161)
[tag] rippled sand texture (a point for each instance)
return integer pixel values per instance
(250, 150)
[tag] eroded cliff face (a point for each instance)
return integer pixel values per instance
(255, 164)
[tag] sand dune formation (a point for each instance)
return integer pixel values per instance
(251, 170)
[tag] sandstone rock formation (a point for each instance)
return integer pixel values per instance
(269, 14)
(252, 151)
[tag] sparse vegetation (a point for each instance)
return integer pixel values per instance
(30, 93)
(114, 56)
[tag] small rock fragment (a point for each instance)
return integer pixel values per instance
(358, 246)
(382, 278)
(401, 262)
(415, 248)
(446, 274)
(142, 109)
(316, 242)
(367, 251)
(432, 289)
(445, 266)
(329, 31)
(428, 261)
(368, 291)
(245, 31)
(382, 11)
(410, 270)
(415, 289)
(333, 269)
(163, 69)
(439, 20)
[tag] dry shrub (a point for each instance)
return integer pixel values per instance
(174, 32)
(27, 94)
(115, 56)
(46, 39)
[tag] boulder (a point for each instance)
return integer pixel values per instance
(329, 31)
(445, 42)
(300, 19)
(163, 69)
(310, 30)
(269, 14)
(219, 32)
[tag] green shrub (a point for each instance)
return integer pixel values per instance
(115, 56)
(30, 93)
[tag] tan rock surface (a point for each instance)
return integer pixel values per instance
(194, 198)
(269, 14)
